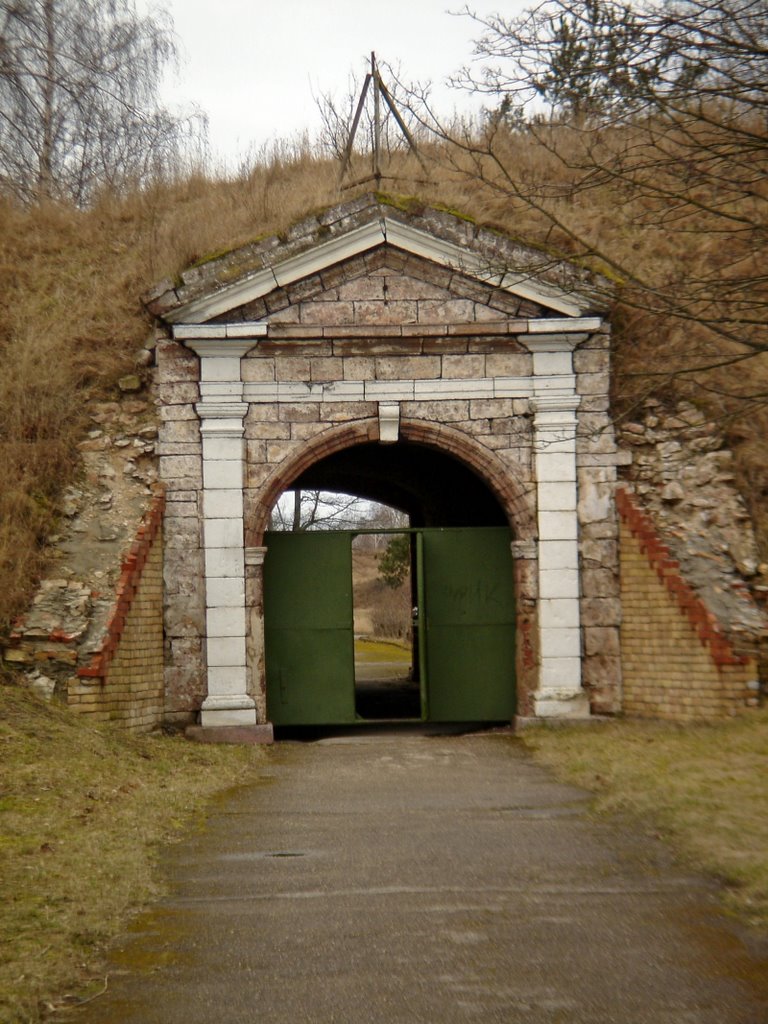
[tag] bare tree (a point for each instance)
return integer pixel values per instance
(301, 510)
(78, 98)
(656, 112)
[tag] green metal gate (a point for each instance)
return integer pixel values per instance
(309, 638)
(466, 626)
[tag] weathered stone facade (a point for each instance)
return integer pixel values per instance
(413, 337)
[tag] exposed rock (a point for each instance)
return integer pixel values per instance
(131, 382)
(681, 471)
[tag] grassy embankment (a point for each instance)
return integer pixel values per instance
(700, 787)
(83, 813)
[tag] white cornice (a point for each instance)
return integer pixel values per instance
(401, 236)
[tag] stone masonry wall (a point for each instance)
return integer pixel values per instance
(124, 681)
(381, 328)
(677, 662)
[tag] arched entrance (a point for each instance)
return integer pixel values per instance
(368, 327)
(460, 573)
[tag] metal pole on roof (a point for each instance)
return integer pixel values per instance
(380, 92)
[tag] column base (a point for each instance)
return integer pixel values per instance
(237, 709)
(561, 704)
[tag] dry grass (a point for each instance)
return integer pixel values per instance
(82, 813)
(700, 786)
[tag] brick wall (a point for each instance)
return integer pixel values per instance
(676, 661)
(124, 681)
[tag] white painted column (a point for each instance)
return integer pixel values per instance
(221, 410)
(559, 694)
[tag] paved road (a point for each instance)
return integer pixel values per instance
(405, 879)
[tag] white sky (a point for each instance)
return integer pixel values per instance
(253, 65)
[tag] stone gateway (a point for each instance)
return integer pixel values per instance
(411, 357)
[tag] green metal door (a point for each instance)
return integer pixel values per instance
(468, 624)
(309, 639)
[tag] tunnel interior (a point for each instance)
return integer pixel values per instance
(432, 488)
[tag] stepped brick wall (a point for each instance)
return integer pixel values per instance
(124, 681)
(677, 662)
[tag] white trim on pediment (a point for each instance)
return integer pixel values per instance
(360, 240)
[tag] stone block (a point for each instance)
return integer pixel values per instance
(267, 430)
(222, 449)
(292, 368)
(342, 412)
(364, 287)
(408, 368)
(223, 475)
(560, 642)
(558, 583)
(277, 451)
(180, 467)
(331, 368)
(600, 611)
(491, 408)
(178, 394)
(404, 287)
(559, 673)
(558, 554)
(223, 652)
(299, 412)
(556, 497)
(257, 368)
(225, 592)
(359, 368)
(558, 613)
(595, 498)
(601, 640)
(224, 562)
(593, 384)
(446, 311)
(226, 679)
(463, 366)
(321, 313)
(590, 361)
(223, 533)
(226, 503)
(557, 525)
(508, 364)
(180, 430)
(436, 412)
(304, 431)
(597, 581)
(555, 467)
(546, 364)
(225, 622)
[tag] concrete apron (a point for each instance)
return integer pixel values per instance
(407, 878)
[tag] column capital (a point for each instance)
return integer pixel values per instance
(524, 549)
(212, 411)
(216, 348)
(554, 403)
(255, 556)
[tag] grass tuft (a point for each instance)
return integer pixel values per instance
(83, 813)
(700, 786)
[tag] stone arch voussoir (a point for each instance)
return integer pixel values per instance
(502, 478)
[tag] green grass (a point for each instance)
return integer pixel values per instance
(83, 813)
(381, 650)
(703, 787)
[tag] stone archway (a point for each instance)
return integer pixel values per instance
(373, 326)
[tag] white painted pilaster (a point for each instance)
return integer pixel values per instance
(560, 693)
(221, 411)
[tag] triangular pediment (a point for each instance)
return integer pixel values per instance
(503, 273)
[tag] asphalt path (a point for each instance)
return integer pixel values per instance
(406, 878)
